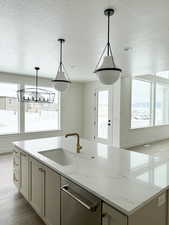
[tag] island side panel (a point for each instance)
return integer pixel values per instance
(154, 213)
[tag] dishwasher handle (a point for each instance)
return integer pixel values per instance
(91, 207)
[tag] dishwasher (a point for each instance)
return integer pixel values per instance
(78, 206)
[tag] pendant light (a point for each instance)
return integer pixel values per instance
(107, 73)
(62, 81)
(35, 94)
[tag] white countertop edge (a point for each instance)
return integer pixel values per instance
(114, 205)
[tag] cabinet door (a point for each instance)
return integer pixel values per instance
(24, 174)
(52, 197)
(36, 187)
(16, 167)
(112, 217)
(153, 213)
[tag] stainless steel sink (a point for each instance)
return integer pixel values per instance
(59, 156)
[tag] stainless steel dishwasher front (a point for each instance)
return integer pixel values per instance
(78, 206)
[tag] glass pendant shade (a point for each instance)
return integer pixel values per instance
(62, 81)
(107, 72)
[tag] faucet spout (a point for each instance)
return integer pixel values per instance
(78, 140)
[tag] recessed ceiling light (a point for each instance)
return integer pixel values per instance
(147, 145)
(73, 66)
(128, 49)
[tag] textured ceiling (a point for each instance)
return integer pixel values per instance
(29, 30)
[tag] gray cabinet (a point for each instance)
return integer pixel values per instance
(153, 213)
(36, 186)
(40, 185)
(45, 192)
(111, 216)
(52, 197)
(24, 174)
(16, 167)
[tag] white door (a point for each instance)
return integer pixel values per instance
(103, 115)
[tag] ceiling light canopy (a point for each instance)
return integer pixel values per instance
(62, 81)
(35, 94)
(107, 72)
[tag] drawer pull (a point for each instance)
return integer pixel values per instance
(42, 170)
(92, 207)
(15, 152)
(16, 180)
(16, 164)
(23, 154)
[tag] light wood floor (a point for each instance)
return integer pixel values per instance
(14, 210)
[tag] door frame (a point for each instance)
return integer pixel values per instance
(110, 115)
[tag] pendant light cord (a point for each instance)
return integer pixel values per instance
(36, 83)
(108, 31)
(61, 55)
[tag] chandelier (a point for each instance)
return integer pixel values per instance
(35, 94)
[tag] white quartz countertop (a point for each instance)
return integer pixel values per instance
(124, 179)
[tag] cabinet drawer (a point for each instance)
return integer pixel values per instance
(112, 217)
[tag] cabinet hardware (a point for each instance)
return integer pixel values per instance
(15, 152)
(16, 180)
(91, 207)
(23, 154)
(42, 170)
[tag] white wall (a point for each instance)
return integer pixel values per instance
(131, 137)
(77, 106)
(89, 102)
(71, 111)
(123, 136)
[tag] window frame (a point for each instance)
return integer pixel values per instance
(153, 104)
(18, 119)
(21, 115)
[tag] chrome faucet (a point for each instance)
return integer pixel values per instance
(78, 140)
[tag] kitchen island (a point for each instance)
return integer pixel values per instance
(131, 188)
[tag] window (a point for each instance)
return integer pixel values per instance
(162, 99)
(33, 116)
(41, 117)
(150, 100)
(141, 103)
(8, 108)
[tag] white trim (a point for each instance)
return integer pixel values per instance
(21, 114)
(108, 140)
